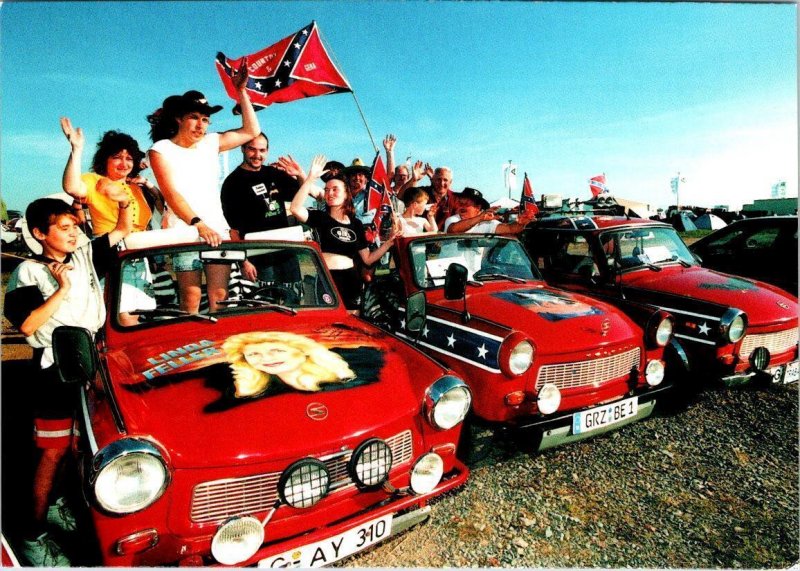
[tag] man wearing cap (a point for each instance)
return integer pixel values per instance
(474, 216)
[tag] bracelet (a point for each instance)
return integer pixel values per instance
(195, 220)
(121, 207)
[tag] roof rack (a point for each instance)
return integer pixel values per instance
(573, 207)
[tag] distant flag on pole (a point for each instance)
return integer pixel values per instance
(527, 204)
(298, 66)
(510, 177)
(597, 184)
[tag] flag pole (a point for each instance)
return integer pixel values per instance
(352, 91)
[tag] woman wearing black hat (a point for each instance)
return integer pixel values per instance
(185, 161)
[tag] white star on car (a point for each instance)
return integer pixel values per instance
(425, 331)
(297, 46)
(287, 63)
(277, 83)
(258, 84)
(704, 329)
(451, 341)
(482, 351)
(402, 324)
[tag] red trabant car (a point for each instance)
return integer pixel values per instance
(278, 431)
(731, 328)
(535, 357)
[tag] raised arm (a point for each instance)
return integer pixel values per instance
(417, 174)
(250, 128)
(316, 170)
(467, 224)
(370, 258)
(71, 180)
(388, 144)
(291, 167)
(514, 227)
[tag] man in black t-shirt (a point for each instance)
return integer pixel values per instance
(253, 197)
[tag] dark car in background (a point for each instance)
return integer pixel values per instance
(763, 248)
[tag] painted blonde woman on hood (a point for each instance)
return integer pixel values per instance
(259, 357)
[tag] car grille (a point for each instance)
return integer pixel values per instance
(778, 342)
(589, 373)
(220, 499)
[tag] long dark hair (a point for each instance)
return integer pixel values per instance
(112, 143)
(164, 120)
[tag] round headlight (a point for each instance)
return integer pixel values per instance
(237, 540)
(654, 372)
(447, 402)
(733, 325)
(130, 476)
(370, 463)
(736, 329)
(426, 473)
(663, 332)
(548, 399)
(521, 357)
(304, 483)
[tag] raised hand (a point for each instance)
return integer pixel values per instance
(418, 171)
(388, 142)
(74, 136)
(241, 75)
(290, 166)
(317, 168)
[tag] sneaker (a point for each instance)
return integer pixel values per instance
(44, 552)
(61, 516)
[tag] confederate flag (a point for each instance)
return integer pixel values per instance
(527, 204)
(381, 224)
(377, 186)
(298, 66)
(597, 184)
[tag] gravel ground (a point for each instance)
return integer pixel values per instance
(715, 486)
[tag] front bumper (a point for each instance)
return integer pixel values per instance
(556, 430)
(778, 374)
(406, 510)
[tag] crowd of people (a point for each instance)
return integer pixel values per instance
(63, 286)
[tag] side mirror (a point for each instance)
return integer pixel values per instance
(75, 354)
(415, 312)
(455, 281)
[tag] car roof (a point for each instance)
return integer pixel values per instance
(598, 222)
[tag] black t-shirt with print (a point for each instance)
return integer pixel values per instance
(337, 237)
(253, 201)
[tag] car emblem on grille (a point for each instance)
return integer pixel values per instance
(605, 327)
(317, 411)
(783, 305)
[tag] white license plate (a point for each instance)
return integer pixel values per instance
(790, 373)
(602, 416)
(334, 548)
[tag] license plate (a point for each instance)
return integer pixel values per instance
(334, 548)
(602, 416)
(790, 373)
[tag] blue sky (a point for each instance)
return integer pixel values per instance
(566, 91)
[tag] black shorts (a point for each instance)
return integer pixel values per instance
(52, 399)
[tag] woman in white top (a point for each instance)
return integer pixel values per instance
(185, 162)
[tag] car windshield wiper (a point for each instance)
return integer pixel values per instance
(681, 261)
(167, 312)
(514, 279)
(259, 303)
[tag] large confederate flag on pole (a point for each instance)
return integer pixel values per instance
(298, 66)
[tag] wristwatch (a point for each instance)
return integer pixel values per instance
(195, 220)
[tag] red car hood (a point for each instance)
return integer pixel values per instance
(548, 316)
(764, 304)
(183, 393)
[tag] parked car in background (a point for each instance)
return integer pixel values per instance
(763, 248)
(732, 329)
(278, 431)
(551, 366)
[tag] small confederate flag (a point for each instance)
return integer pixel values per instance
(298, 66)
(597, 184)
(377, 185)
(382, 222)
(527, 204)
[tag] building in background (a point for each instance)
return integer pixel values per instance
(779, 190)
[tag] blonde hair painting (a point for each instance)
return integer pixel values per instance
(306, 365)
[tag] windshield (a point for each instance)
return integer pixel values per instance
(484, 257)
(255, 278)
(642, 247)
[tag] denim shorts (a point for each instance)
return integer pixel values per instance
(187, 262)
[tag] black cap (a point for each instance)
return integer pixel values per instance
(190, 101)
(474, 195)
